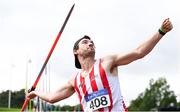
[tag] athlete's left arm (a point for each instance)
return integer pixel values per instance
(141, 51)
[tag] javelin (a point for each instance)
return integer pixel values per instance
(47, 58)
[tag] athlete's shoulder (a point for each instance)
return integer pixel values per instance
(108, 64)
(73, 77)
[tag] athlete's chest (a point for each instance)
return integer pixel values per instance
(91, 83)
(94, 91)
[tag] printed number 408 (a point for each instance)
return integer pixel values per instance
(98, 102)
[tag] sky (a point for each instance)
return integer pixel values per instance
(28, 29)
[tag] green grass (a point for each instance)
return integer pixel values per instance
(2, 109)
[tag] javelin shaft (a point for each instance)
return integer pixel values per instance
(47, 58)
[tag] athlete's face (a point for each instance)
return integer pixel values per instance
(86, 46)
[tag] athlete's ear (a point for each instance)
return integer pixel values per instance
(75, 52)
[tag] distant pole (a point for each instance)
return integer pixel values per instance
(9, 96)
(49, 87)
(9, 99)
(27, 71)
(178, 97)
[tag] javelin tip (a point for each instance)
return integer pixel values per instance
(73, 5)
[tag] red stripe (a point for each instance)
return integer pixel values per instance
(105, 83)
(83, 85)
(93, 84)
(77, 90)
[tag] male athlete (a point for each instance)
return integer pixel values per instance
(97, 84)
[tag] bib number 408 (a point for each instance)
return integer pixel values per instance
(98, 102)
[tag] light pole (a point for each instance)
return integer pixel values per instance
(27, 70)
(178, 97)
(9, 99)
(9, 95)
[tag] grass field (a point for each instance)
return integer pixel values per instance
(2, 109)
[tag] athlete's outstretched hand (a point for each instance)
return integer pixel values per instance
(166, 25)
(31, 95)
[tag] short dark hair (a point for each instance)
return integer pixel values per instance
(76, 47)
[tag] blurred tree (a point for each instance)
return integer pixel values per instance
(67, 108)
(178, 104)
(78, 108)
(17, 98)
(158, 95)
(4, 99)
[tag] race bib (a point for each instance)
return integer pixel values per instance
(97, 100)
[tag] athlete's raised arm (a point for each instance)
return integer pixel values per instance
(142, 50)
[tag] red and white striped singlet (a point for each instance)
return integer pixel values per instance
(99, 90)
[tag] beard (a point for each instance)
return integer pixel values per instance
(89, 53)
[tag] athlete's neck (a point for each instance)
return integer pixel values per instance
(87, 63)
